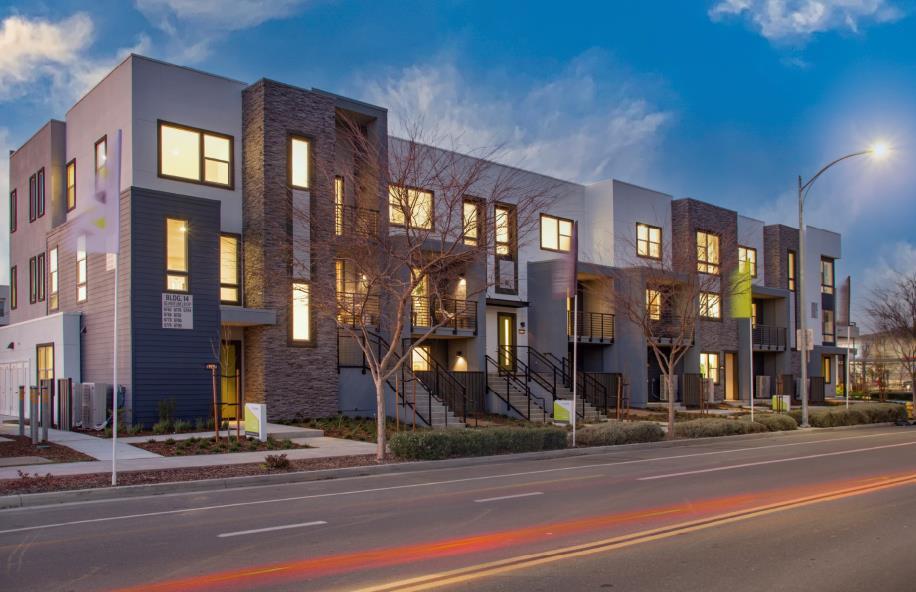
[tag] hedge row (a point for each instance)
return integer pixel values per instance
(439, 444)
(711, 427)
(613, 432)
(828, 417)
(774, 422)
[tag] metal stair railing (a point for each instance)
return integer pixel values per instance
(442, 384)
(591, 390)
(513, 381)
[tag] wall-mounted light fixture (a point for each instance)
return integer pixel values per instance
(11, 345)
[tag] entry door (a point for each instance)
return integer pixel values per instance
(731, 376)
(45, 367)
(230, 378)
(505, 340)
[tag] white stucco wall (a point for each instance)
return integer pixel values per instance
(631, 205)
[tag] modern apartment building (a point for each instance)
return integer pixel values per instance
(214, 267)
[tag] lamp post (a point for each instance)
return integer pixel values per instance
(878, 151)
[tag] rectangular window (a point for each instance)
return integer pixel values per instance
(40, 195)
(747, 260)
(754, 319)
(44, 355)
(53, 280)
(40, 276)
(33, 199)
(473, 222)
(301, 323)
(707, 252)
(709, 366)
(506, 260)
(230, 276)
(556, 233)
(14, 210)
(338, 206)
(176, 255)
(195, 155)
(82, 271)
(410, 207)
(419, 358)
(648, 241)
(71, 185)
(14, 288)
(653, 304)
(790, 270)
(828, 328)
(710, 305)
(298, 162)
(827, 276)
(504, 225)
(33, 284)
(827, 369)
(101, 156)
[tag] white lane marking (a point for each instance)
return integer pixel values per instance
(771, 462)
(505, 497)
(430, 483)
(270, 529)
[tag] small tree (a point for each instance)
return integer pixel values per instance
(892, 312)
(414, 231)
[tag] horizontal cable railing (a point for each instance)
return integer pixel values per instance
(448, 313)
(357, 309)
(769, 336)
(355, 220)
(591, 325)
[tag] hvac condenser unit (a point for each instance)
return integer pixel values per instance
(93, 403)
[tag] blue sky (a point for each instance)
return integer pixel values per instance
(722, 100)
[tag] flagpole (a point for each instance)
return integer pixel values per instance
(574, 360)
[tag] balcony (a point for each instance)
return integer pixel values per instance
(449, 315)
(355, 221)
(592, 327)
(354, 309)
(666, 329)
(768, 338)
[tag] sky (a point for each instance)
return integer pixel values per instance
(727, 101)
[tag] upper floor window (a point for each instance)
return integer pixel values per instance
(230, 270)
(82, 270)
(53, 280)
(653, 304)
(648, 241)
(556, 233)
(707, 252)
(754, 318)
(33, 280)
(790, 270)
(71, 185)
(33, 198)
(14, 288)
(299, 162)
(472, 212)
(827, 276)
(176, 255)
(195, 155)
(40, 272)
(709, 366)
(828, 330)
(40, 197)
(410, 207)
(338, 206)
(101, 156)
(710, 305)
(14, 210)
(301, 329)
(747, 260)
(504, 227)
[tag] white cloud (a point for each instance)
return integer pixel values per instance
(586, 124)
(194, 25)
(798, 20)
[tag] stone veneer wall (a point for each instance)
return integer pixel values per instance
(778, 240)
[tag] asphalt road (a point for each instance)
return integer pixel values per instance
(808, 511)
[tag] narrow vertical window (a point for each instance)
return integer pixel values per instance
(747, 260)
(709, 366)
(338, 206)
(230, 277)
(101, 156)
(176, 255)
(653, 304)
(53, 280)
(82, 271)
(707, 252)
(40, 193)
(827, 369)
(472, 222)
(33, 201)
(71, 185)
(828, 329)
(827, 276)
(33, 284)
(298, 162)
(14, 211)
(301, 323)
(710, 305)
(40, 276)
(790, 270)
(14, 288)
(506, 260)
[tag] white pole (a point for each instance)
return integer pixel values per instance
(574, 361)
(802, 307)
(750, 357)
(114, 383)
(846, 388)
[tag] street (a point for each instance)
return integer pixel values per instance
(813, 510)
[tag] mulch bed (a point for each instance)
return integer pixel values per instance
(44, 483)
(22, 446)
(195, 446)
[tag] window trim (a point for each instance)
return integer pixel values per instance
(33, 277)
(14, 211)
(238, 269)
(40, 205)
(718, 299)
(408, 216)
(14, 287)
(33, 198)
(649, 229)
(187, 257)
(717, 377)
(512, 244)
(748, 250)
(831, 288)
(70, 164)
(95, 152)
(54, 294)
(481, 213)
(291, 340)
(340, 198)
(200, 155)
(289, 161)
(717, 266)
(791, 270)
(650, 291)
(559, 234)
(40, 275)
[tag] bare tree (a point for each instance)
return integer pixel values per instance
(416, 233)
(892, 311)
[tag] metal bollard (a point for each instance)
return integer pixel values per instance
(46, 412)
(21, 410)
(33, 414)
(64, 401)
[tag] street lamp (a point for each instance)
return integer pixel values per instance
(878, 150)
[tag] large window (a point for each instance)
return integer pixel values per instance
(648, 241)
(709, 366)
(747, 260)
(827, 277)
(828, 330)
(556, 233)
(301, 323)
(71, 184)
(338, 206)
(44, 356)
(14, 288)
(653, 304)
(707, 252)
(230, 270)
(472, 212)
(710, 305)
(53, 280)
(410, 207)
(176, 255)
(298, 162)
(790, 270)
(40, 193)
(14, 210)
(198, 156)
(82, 271)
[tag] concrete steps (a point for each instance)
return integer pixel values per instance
(517, 398)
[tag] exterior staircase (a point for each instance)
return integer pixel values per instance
(589, 414)
(518, 398)
(431, 412)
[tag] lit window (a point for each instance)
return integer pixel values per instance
(827, 369)
(747, 260)
(556, 233)
(229, 269)
(790, 265)
(710, 305)
(754, 314)
(299, 163)
(709, 366)
(53, 280)
(410, 207)
(828, 329)
(14, 210)
(176, 255)
(14, 288)
(472, 222)
(82, 271)
(301, 327)
(827, 276)
(338, 206)
(199, 156)
(71, 184)
(648, 241)
(503, 220)
(707, 252)
(101, 155)
(419, 358)
(653, 304)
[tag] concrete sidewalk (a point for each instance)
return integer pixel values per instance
(97, 448)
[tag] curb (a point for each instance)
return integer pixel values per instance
(31, 500)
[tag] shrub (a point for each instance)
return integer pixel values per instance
(439, 444)
(883, 412)
(166, 410)
(857, 414)
(162, 427)
(134, 429)
(181, 425)
(276, 462)
(614, 432)
(775, 422)
(200, 424)
(710, 427)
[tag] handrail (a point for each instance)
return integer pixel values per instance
(591, 325)
(447, 313)
(444, 385)
(767, 335)
(512, 379)
(590, 388)
(548, 382)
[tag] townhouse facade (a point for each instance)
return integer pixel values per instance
(215, 268)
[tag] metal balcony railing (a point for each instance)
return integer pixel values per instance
(769, 337)
(354, 308)
(592, 326)
(447, 313)
(354, 220)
